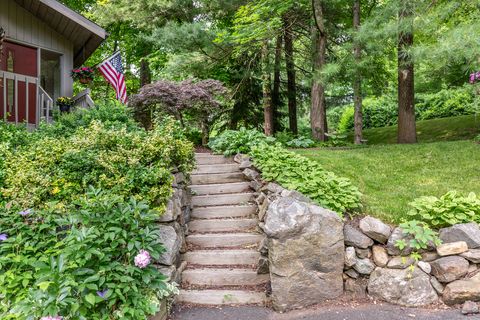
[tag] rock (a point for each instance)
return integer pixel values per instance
(263, 247)
(461, 291)
(375, 229)
(262, 211)
(260, 199)
(396, 235)
(402, 286)
(178, 179)
(475, 277)
(452, 248)
(239, 158)
(425, 266)
(168, 271)
(400, 262)
(472, 268)
(355, 238)
(172, 243)
(468, 232)
(352, 273)
(296, 195)
(246, 164)
(350, 257)
(380, 256)
(473, 255)
(448, 269)
(429, 256)
(364, 266)
(262, 267)
(363, 253)
(470, 307)
(251, 174)
(296, 230)
(274, 188)
(356, 287)
(436, 285)
(256, 185)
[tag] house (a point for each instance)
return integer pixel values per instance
(44, 41)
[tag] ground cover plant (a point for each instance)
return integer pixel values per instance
(77, 216)
(390, 177)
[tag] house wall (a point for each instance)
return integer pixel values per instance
(22, 27)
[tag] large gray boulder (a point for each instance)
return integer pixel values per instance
(448, 269)
(375, 229)
(402, 286)
(468, 232)
(461, 291)
(355, 238)
(306, 253)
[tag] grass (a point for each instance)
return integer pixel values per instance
(391, 176)
(444, 129)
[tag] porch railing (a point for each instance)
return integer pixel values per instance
(83, 100)
(45, 106)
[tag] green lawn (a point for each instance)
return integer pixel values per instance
(390, 176)
(445, 129)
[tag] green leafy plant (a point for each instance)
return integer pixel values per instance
(300, 142)
(449, 209)
(420, 234)
(296, 172)
(231, 142)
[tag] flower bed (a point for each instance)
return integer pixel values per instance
(79, 232)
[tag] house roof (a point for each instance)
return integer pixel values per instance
(85, 35)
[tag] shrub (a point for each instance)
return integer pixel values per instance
(77, 261)
(231, 142)
(300, 142)
(347, 120)
(136, 163)
(452, 208)
(296, 172)
(445, 103)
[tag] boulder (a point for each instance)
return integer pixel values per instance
(256, 185)
(461, 291)
(472, 268)
(296, 195)
(452, 248)
(251, 174)
(402, 286)
(306, 253)
(262, 266)
(364, 266)
(274, 188)
(380, 256)
(168, 271)
(355, 238)
(239, 158)
(400, 262)
(356, 287)
(473, 255)
(350, 257)
(172, 243)
(429, 256)
(437, 285)
(396, 235)
(448, 269)
(425, 266)
(352, 273)
(470, 307)
(468, 232)
(178, 179)
(375, 229)
(246, 164)
(363, 253)
(173, 210)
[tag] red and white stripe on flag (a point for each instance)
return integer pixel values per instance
(112, 71)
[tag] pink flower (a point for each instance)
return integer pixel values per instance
(472, 78)
(52, 318)
(142, 260)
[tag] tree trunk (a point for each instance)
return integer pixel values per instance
(205, 132)
(276, 100)
(267, 91)
(145, 74)
(291, 77)
(318, 112)
(406, 94)
(357, 82)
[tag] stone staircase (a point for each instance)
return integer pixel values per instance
(222, 243)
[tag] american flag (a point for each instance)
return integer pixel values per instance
(112, 71)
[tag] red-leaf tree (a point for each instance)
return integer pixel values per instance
(199, 101)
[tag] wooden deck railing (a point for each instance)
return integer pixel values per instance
(83, 100)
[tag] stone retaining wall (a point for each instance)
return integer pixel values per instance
(312, 255)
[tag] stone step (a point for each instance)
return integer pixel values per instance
(217, 178)
(224, 240)
(206, 189)
(223, 277)
(216, 168)
(211, 159)
(222, 257)
(224, 212)
(221, 297)
(222, 199)
(221, 225)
